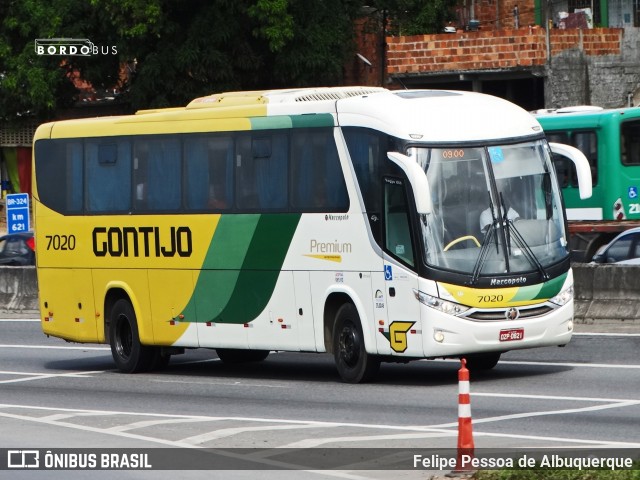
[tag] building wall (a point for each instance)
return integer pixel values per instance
(576, 78)
(596, 66)
(482, 50)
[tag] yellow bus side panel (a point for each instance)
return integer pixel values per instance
(136, 285)
(70, 311)
(171, 290)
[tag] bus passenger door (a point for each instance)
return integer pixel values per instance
(403, 328)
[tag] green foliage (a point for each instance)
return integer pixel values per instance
(176, 50)
(549, 474)
(413, 17)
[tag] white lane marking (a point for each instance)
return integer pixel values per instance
(244, 383)
(86, 428)
(543, 413)
(553, 397)
(43, 376)
(547, 364)
(316, 442)
(19, 320)
(55, 347)
(153, 423)
(228, 432)
(571, 364)
(606, 334)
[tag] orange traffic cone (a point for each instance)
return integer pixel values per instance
(465, 432)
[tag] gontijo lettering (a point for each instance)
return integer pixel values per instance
(145, 241)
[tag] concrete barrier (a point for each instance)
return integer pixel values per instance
(607, 297)
(18, 291)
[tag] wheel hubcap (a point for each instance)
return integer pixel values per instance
(124, 338)
(349, 346)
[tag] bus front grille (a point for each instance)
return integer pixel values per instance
(500, 315)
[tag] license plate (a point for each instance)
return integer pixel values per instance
(511, 334)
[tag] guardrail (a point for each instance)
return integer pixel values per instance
(606, 295)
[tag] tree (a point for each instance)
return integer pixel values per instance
(183, 49)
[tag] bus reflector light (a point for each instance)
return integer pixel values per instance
(181, 317)
(381, 330)
(570, 325)
(438, 336)
(380, 322)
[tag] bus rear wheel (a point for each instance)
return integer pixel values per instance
(232, 355)
(128, 353)
(353, 362)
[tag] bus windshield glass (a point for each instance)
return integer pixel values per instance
(496, 209)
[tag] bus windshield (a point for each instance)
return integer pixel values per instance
(496, 209)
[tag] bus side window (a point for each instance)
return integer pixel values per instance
(261, 163)
(208, 172)
(397, 227)
(316, 176)
(157, 174)
(587, 143)
(108, 171)
(561, 163)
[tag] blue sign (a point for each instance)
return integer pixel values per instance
(633, 192)
(18, 213)
(388, 273)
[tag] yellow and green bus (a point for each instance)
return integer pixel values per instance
(371, 224)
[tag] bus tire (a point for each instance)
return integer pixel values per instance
(480, 362)
(353, 362)
(128, 353)
(233, 355)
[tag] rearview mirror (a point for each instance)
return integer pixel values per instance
(583, 169)
(417, 179)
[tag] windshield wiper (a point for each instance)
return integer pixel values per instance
(521, 242)
(484, 247)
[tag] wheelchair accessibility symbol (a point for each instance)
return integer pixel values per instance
(388, 273)
(633, 192)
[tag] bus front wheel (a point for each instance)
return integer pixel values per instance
(353, 362)
(128, 353)
(480, 362)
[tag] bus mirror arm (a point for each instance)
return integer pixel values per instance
(417, 179)
(583, 169)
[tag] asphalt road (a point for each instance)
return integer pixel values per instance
(59, 395)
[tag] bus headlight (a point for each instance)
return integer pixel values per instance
(439, 304)
(563, 297)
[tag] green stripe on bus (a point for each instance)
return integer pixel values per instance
(268, 123)
(293, 121)
(242, 267)
(546, 290)
(318, 120)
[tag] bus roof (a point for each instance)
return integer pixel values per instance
(585, 118)
(422, 115)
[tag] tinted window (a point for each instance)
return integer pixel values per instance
(587, 142)
(630, 143)
(209, 172)
(58, 167)
(262, 167)
(108, 164)
(157, 174)
(317, 182)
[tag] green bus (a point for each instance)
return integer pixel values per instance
(610, 139)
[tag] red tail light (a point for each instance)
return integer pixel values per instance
(31, 243)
